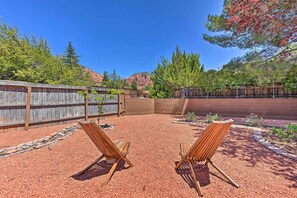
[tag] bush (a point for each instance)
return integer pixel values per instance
(279, 132)
(286, 134)
(253, 120)
(292, 128)
(191, 117)
(212, 117)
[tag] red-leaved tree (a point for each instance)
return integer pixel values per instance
(269, 25)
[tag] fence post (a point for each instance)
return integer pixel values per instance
(86, 106)
(183, 93)
(28, 102)
(123, 103)
(119, 105)
(273, 94)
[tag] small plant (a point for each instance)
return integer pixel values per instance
(292, 128)
(279, 132)
(99, 98)
(253, 120)
(212, 117)
(292, 131)
(286, 134)
(191, 117)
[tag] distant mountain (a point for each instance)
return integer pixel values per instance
(142, 79)
(98, 78)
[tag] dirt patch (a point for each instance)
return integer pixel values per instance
(154, 152)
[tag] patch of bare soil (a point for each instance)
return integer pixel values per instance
(154, 152)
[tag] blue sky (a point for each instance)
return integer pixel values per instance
(129, 36)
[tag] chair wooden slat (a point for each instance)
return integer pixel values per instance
(110, 150)
(125, 150)
(204, 148)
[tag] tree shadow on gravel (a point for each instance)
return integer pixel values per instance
(99, 169)
(239, 143)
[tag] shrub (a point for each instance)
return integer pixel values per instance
(286, 134)
(292, 131)
(292, 128)
(212, 117)
(279, 132)
(253, 120)
(191, 117)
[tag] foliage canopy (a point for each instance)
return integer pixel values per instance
(268, 26)
(24, 58)
(184, 70)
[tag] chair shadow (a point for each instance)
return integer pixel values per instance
(99, 169)
(239, 143)
(201, 171)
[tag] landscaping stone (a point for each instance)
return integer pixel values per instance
(11, 151)
(42, 142)
(258, 137)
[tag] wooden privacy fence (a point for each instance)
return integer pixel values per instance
(25, 104)
(240, 92)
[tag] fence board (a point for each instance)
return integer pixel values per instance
(48, 103)
(241, 92)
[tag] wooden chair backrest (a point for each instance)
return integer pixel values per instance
(101, 140)
(205, 146)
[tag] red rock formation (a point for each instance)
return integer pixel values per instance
(142, 79)
(96, 76)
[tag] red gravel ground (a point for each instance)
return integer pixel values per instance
(15, 137)
(51, 172)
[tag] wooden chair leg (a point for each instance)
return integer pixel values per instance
(224, 174)
(90, 166)
(198, 188)
(179, 164)
(110, 173)
(128, 162)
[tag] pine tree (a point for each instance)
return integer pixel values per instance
(113, 80)
(70, 56)
(106, 78)
(134, 85)
(25, 58)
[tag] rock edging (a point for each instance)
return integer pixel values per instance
(42, 142)
(258, 137)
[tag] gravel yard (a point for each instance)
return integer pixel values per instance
(51, 171)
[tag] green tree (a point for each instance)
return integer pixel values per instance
(184, 70)
(24, 58)
(70, 56)
(290, 81)
(134, 85)
(105, 77)
(114, 81)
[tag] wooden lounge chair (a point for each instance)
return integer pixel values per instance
(204, 148)
(112, 151)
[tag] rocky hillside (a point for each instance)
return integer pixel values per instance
(142, 79)
(96, 76)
